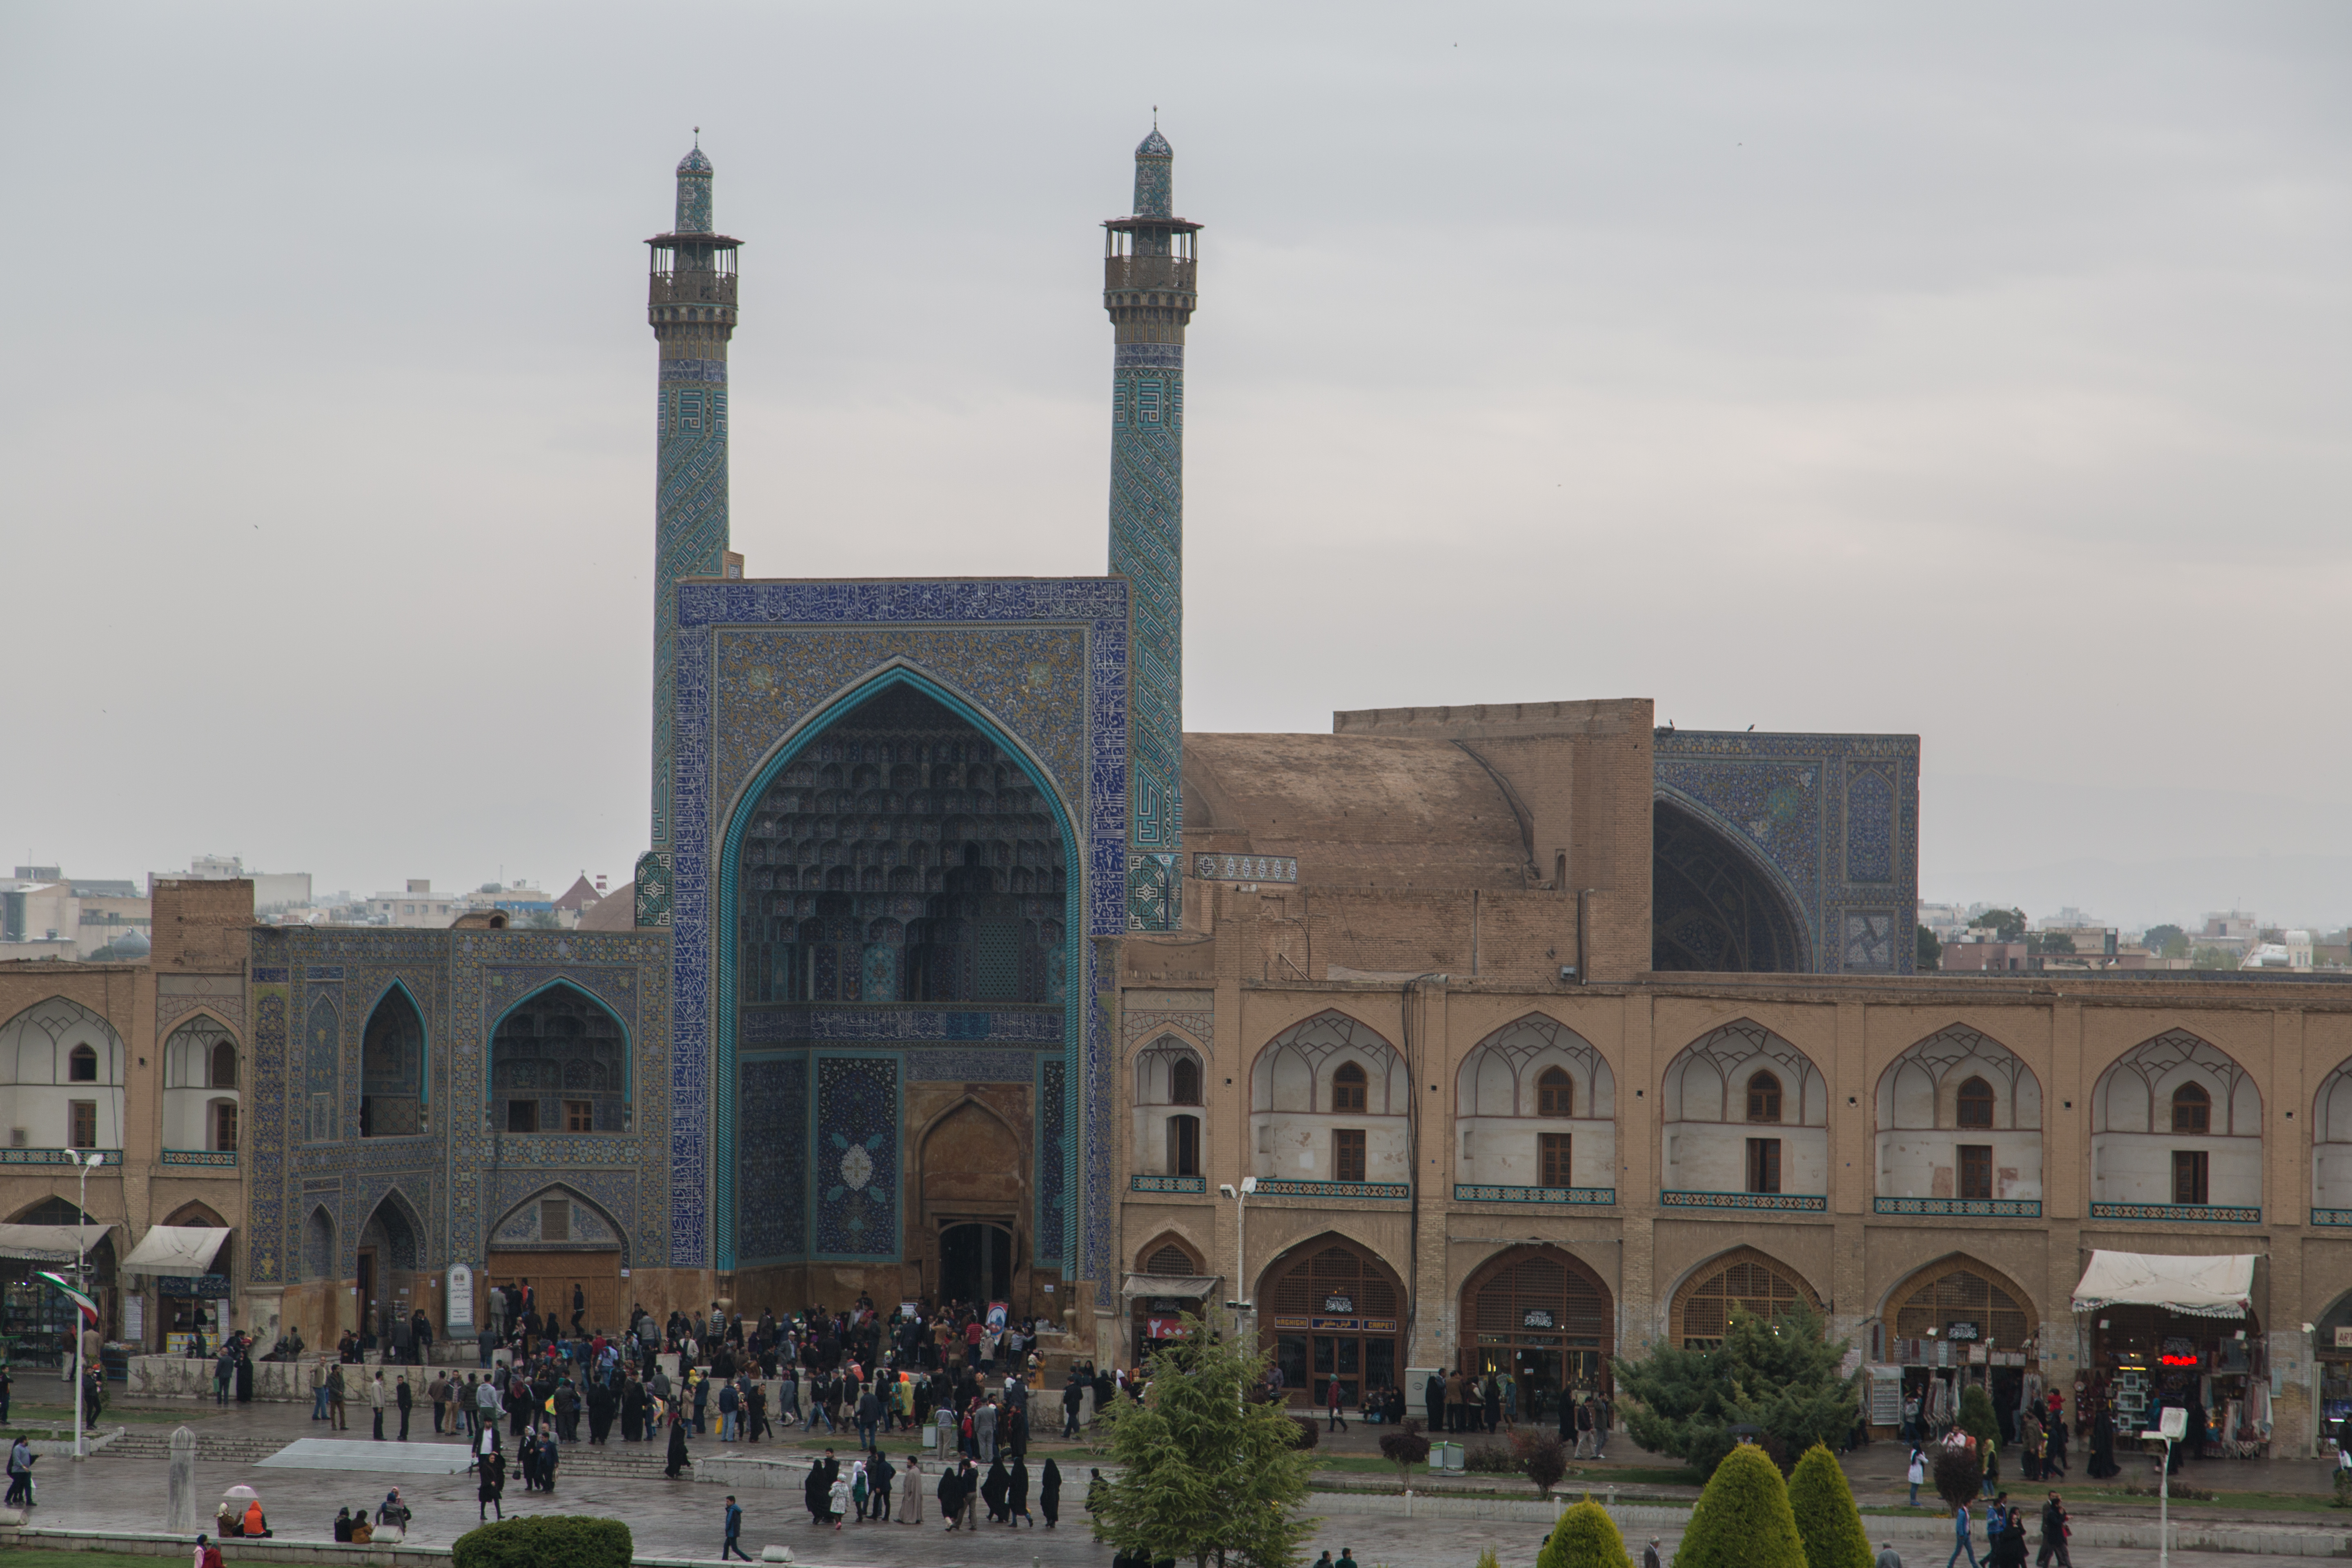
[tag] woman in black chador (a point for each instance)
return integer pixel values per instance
(2103, 1447)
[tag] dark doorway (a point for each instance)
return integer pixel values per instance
(976, 1263)
(366, 1282)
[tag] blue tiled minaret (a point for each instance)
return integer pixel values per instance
(691, 304)
(1149, 288)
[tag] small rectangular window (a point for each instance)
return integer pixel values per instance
(1348, 1154)
(579, 1116)
(1556, 1169)
(85, 1123)
(2188, 1176)
(1183, 1145)
(1976, 1170)
(1763, 1165)
(522, 1116)
(224, 1127)
(555, 1220)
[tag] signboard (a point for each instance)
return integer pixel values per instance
(1342, 1305)
(134, 1318)
(1960, 1333)
(998, 1311)
(908, 1310)
(1536, 1318)
(1167, 1305)
(458, 1309)
(2344, 1339)
(204, 1287)
(1885, 1395)
(1976, 1355)
(1163, 1328)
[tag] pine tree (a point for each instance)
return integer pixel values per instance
(1585, 1537)
(1976, 1418)
(1205, 1472)
(1743, 1519)
(1828, 1522)
(1779, 1375)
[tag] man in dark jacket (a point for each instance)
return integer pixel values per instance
(879, 1473)
(405, 1399)
(1072, 1399)
(2053, 1534)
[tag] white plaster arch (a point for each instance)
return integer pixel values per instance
(1499, 1121)
(1294, 1123)
(2141, 1145)
(1920, 1136)
(1709, 1131)
(37, 1090)
(1171, 1077)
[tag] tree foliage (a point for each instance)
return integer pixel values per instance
(2166, 940)
(1203, 1473)
(1585, 1537)
(1828, 1522)
(1404, 1448)
(1931, 951)
(1541, 1457)
(2008, 925)
(2049, 941)
(1743, 1519)
(1959, 1474)
(1779, 1374)
(1976, 1418)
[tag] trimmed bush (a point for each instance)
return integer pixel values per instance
(546, 1541)
(1959, 1475)
(1404, 1448)
(1543, 1457)
(1827, 1521)
(1743, 1519)
(1490, 1459)
(1585, 1537)
(1306, 1432)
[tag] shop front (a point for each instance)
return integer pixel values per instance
(190, 1266)
(38, 1321)
(1542, 1316)
(1955, 1324)
(1330, 1310)
(1171, 1285)
(2177, 1330)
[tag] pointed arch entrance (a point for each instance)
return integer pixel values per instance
(1331, 1308)
(1546, 1318)
(1713, 905)
(559, 1253)
(901, 852)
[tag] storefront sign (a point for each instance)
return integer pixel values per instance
(206, 1286)
(1167, 1304)
(1342, 1305)
(1960, 1333)
(134, 1318)
(1163, 1328)
(1536, 1318)
(2344, 1339)
(2178, 1352)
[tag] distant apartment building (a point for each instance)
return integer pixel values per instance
(419, 905)
(273, 891)
(1968, 955)
(46, 914)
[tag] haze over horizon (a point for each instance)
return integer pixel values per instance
(1976, 375)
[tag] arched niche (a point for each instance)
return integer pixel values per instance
(560, 1063)
(1170, 1125)
(567, 1250)
(1744, 1112)
(1536, 1108)
(2331, 1146)
(391, 1067)
(1713, 905)
(1960, 1289)
(61, 1078)
(2176, 1124)
(201, 1098)
(1330, 1100)
(1759, 1285)
(1960, 1127)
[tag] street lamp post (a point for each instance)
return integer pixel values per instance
(1241, 1306)
(2172, 1427)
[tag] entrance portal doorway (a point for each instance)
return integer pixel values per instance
(976, 1263)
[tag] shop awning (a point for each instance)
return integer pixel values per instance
(50, 1242)
(175, 1250)
(1169, 1285)
(2206, 1287)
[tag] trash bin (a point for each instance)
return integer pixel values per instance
(1444, 1456)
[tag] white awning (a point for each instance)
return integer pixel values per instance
(50, 1242)
(2217, 1286)
(1169, 1285)
(175, 1250)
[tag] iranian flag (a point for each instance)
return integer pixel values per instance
(88, 1307)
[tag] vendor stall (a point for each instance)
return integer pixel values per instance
(2169, 1330)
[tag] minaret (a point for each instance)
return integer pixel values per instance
(691, 304)
(1149, 288)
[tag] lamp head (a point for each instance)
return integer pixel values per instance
(97, 1158)
(1249, 1184)
(1224, 1189)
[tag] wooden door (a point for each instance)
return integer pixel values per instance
(365, 1301)
(552, 1277)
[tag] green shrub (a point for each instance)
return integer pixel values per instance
(2343, 1484)
(1488, 1559)
(1542, 1457)
(1404, 1448)
(546, 1541)
(1959, 1475)
(1743, 1519)
(1305, 1432)
(1489, 1459)
(1977, 1418)
(1827, 1522)
(1585, 1537)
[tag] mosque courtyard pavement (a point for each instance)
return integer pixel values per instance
(681, 1518)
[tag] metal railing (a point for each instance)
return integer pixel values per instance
(1973, 1208)
(1770, 1203)
(1582, 1197)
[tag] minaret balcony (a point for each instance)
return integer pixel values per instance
(1150, 274)
(689, 285)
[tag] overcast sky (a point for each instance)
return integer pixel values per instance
(1977, 371)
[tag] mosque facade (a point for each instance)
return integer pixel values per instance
(1522, 1033)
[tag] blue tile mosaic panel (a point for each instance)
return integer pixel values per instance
(855, 1164)
(1053, 1158)
(773, 1104)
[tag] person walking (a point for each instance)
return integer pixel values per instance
(910, 1497)
(951, 1495)
(20, 1472)
(492, 1487)
(1073, 1396)
(677, 1461)
(1649, 1554)
(1333, 1403)
(336, 1420)
(1916, 1473)
(1049, 1492)
(1960, 1541)
(838, 1501)
(437, 1391)
(734, 1541)
(2053, 1534)
(1016, 1498)
(376, 1397)
(1887, 1556)
(318, 1390)
(406, 1401)
(880, 1474)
